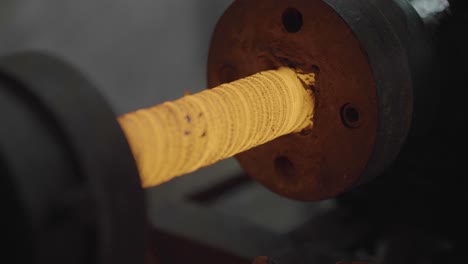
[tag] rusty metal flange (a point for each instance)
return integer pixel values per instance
(363, 89)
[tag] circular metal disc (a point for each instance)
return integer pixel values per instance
(310, 36)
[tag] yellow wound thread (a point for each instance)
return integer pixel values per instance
(179, 137)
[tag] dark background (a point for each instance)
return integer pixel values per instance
(138, 53)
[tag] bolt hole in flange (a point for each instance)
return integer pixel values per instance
(292, 20)
(284, 167)
(350, 116)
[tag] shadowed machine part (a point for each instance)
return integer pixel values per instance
(69, 170)
(314, 98)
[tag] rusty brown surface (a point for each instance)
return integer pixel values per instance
(260, 260)
(330, 158)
